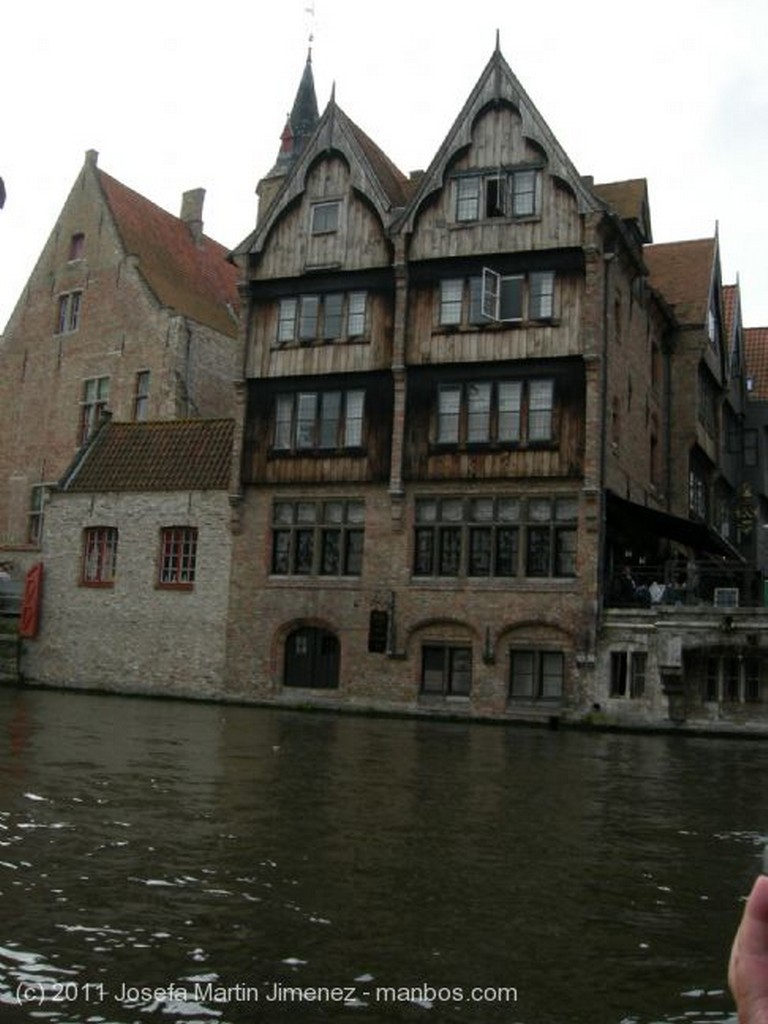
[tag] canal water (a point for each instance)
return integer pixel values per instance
(164, 861)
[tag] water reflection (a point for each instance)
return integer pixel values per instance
(171, 861)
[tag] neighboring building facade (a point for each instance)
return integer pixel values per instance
(128, 309)
(137, 556)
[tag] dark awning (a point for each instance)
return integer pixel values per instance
(631, 516)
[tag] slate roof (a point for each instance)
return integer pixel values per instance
(195, 280)
(756, 359)
(175, 455)
(682, 272)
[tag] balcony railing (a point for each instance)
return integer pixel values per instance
(721, 584)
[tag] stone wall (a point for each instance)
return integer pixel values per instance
(134, 636)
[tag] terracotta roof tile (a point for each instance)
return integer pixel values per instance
(682, 273)
(756, 359)
(629, 199)
(160, 456)
(195, 280)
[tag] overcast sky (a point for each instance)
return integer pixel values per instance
(180, 94)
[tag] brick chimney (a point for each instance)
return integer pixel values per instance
(192, 212)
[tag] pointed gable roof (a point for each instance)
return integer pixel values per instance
(498, 84)
(372, 173)
(175, 455)
(684, 274)
(195, 280)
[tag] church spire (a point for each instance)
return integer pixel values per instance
(301, 121)
(299, 128)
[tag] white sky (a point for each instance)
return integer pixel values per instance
(180, 94)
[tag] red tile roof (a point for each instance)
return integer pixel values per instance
(682, 272)
(756, 359)
(195, 280)
(188, 455)
(629, 199)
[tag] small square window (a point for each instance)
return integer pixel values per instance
(325, 218)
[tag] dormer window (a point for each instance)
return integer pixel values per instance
(507, 194)
(76, 247)
(325, 218)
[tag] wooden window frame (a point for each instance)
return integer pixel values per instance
(99, 562)
(177, 568)
(302, 418)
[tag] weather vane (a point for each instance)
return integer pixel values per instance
(310, 11)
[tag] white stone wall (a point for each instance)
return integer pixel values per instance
(134, 636)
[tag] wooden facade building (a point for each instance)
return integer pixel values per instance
(445, 379)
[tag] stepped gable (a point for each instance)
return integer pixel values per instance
(683, 273)
(195, 280)
(176, 455)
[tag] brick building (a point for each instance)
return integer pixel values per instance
(128, 309)
(137, 556)
(491, 454)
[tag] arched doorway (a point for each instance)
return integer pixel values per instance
(312, 659)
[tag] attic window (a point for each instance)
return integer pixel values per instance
(325, 218)
(76, 247)
(508, 194)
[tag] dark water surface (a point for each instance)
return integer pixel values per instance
(164, 862)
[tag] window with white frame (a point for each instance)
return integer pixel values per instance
(495, 537)
(500, 193)
(536, 674)
(517, 297)
(332, 316)
(99, 556)
(501, 412)
(318, 538)
(93, 403)
(306, 420)
(496, 298)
